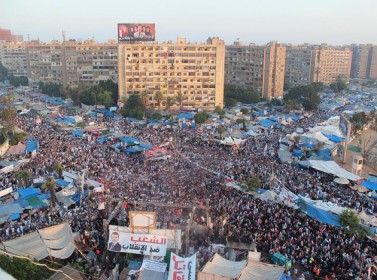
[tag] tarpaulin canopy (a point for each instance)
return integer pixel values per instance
(222, 267)
(62, 183)
(330, 167)
(261, 271)
(186, 116)
(319, 214)
(333, 138)
(369, 185)
(28, 192)
(77, 133)
(267, 123)
(31, 145)
(11, 208)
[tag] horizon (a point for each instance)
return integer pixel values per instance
(290, 22)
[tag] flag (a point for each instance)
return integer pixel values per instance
(106, 186)
(201, 204)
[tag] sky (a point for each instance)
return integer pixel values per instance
(335, 22)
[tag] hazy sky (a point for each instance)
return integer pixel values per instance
(259, 21)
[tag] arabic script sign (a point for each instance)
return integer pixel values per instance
(182, 268)
(142, 244)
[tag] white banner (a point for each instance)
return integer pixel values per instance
(153, 265)
(7, 169)
(6, 191)
(38, 180)
(182, 268)
(141, 244)
(69, 191)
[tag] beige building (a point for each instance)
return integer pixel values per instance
(194, 70)
(259, 67)
(372, 69)
(13, 57)
(329, 63)
(298, 65)
(360, 61)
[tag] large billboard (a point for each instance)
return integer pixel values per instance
(130, 32)
(345, 126)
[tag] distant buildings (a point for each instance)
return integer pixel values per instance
(7, 36)
(260, 67)
(364, 62)
(194, 71)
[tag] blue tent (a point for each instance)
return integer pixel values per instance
(28, 192)
(129, 140)
(62, 183)
(15, 216)
(370, 185)
(297, 153)
(319, 214)
(31, 145)
(186, 116)
(309, 145)
(77, 133)
(184, 125)
(267, 123)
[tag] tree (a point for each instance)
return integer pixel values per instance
(50, 186)
(18, 81)
(23, 177)
(158, 97)
(180, 98)
(105, 98)
(338, 85)
(351, 222)
(3, 72)
(230, 102)
(59, 169)
(253, 184)
(169, 102)
(112, 87)
(156, 116)
(8, 113)
(201, 117)
(307, 96)
(241, 94)
(244, 111)
(22, 269)
(220, 131)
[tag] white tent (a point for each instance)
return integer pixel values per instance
(330, 167)
(261, 271)
(231, 141)
(56, 241)
(219, 268)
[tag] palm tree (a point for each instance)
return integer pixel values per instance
(50, 186)
(158, 97)
(23, 177)
(58, 168)
(179, 98)
(169, 102)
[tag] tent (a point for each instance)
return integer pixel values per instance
(333, 138)
(330, 167)
(77, 133)
(28, 192)
(318, 214)
(186, 116)
(341, 181)
(31, 146)
(369, 185)
(16, 149)
(68, 270)
(62, 183)
(261, 271)
(219, 268)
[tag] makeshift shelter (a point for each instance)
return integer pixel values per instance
(219, 268)
(261, 271)
(330, 167)
(56, 241)
(16, 149)
(77, 133)
(67, 270)
(369, 185)
(31, 146)
(62, 183)
(28, 192)
(318, 213)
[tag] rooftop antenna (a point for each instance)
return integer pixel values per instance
(63, 34)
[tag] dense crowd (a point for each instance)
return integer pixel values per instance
(196, 173)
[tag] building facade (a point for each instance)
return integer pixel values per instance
(13, 57)
(329, 64)
(193, 71)
(259, 67)
(372, 67)
(298, 65)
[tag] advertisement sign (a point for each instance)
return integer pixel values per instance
(131, 32)
(141, 244)
(182, 268)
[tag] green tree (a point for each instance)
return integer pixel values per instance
(8, 113)
(180, 98)
(253, 184)
(338, 85)
(51, 89)
(220, 131)
(59, 169)
(230, 102)
(22, 269)
(50, 186)
(241, 94)
(201, 117)
(18, 81)
(351, 222)
(169, 102)
(307, 96)
(105, 98)
(23, 177)
(3, 73)
(158, 97)
(244, 111)
(111, 86)
(156, 116)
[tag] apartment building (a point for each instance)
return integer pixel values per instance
(259, 67)
(196, 71)
(7, 36)
(89, 62)
(298, 65)
(372, 67)
(360, 61)
(330, 63)
(13, 57)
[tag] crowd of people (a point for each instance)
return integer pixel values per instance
(194, 174)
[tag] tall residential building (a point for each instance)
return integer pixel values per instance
(13, 57)
(360, 61)
(7, 36)
(372, 69)
(89, 62)
(260, 67)
(195, 71)
(329, 63)
(298, 65)
(67, 63)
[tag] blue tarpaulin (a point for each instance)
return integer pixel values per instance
(267, 123)
(77, 133)
(31, 145)
(62, 183)
(369, 185)
(319, 214)
(297, 153)
(15, 216)
(309, 145)
(28, 192)
(129, 140)
(186, 116)
(334, 138)
(117, 117)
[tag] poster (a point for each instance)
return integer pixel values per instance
(182, 268)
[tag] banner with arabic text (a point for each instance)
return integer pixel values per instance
(182, 268)
(142, 244)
